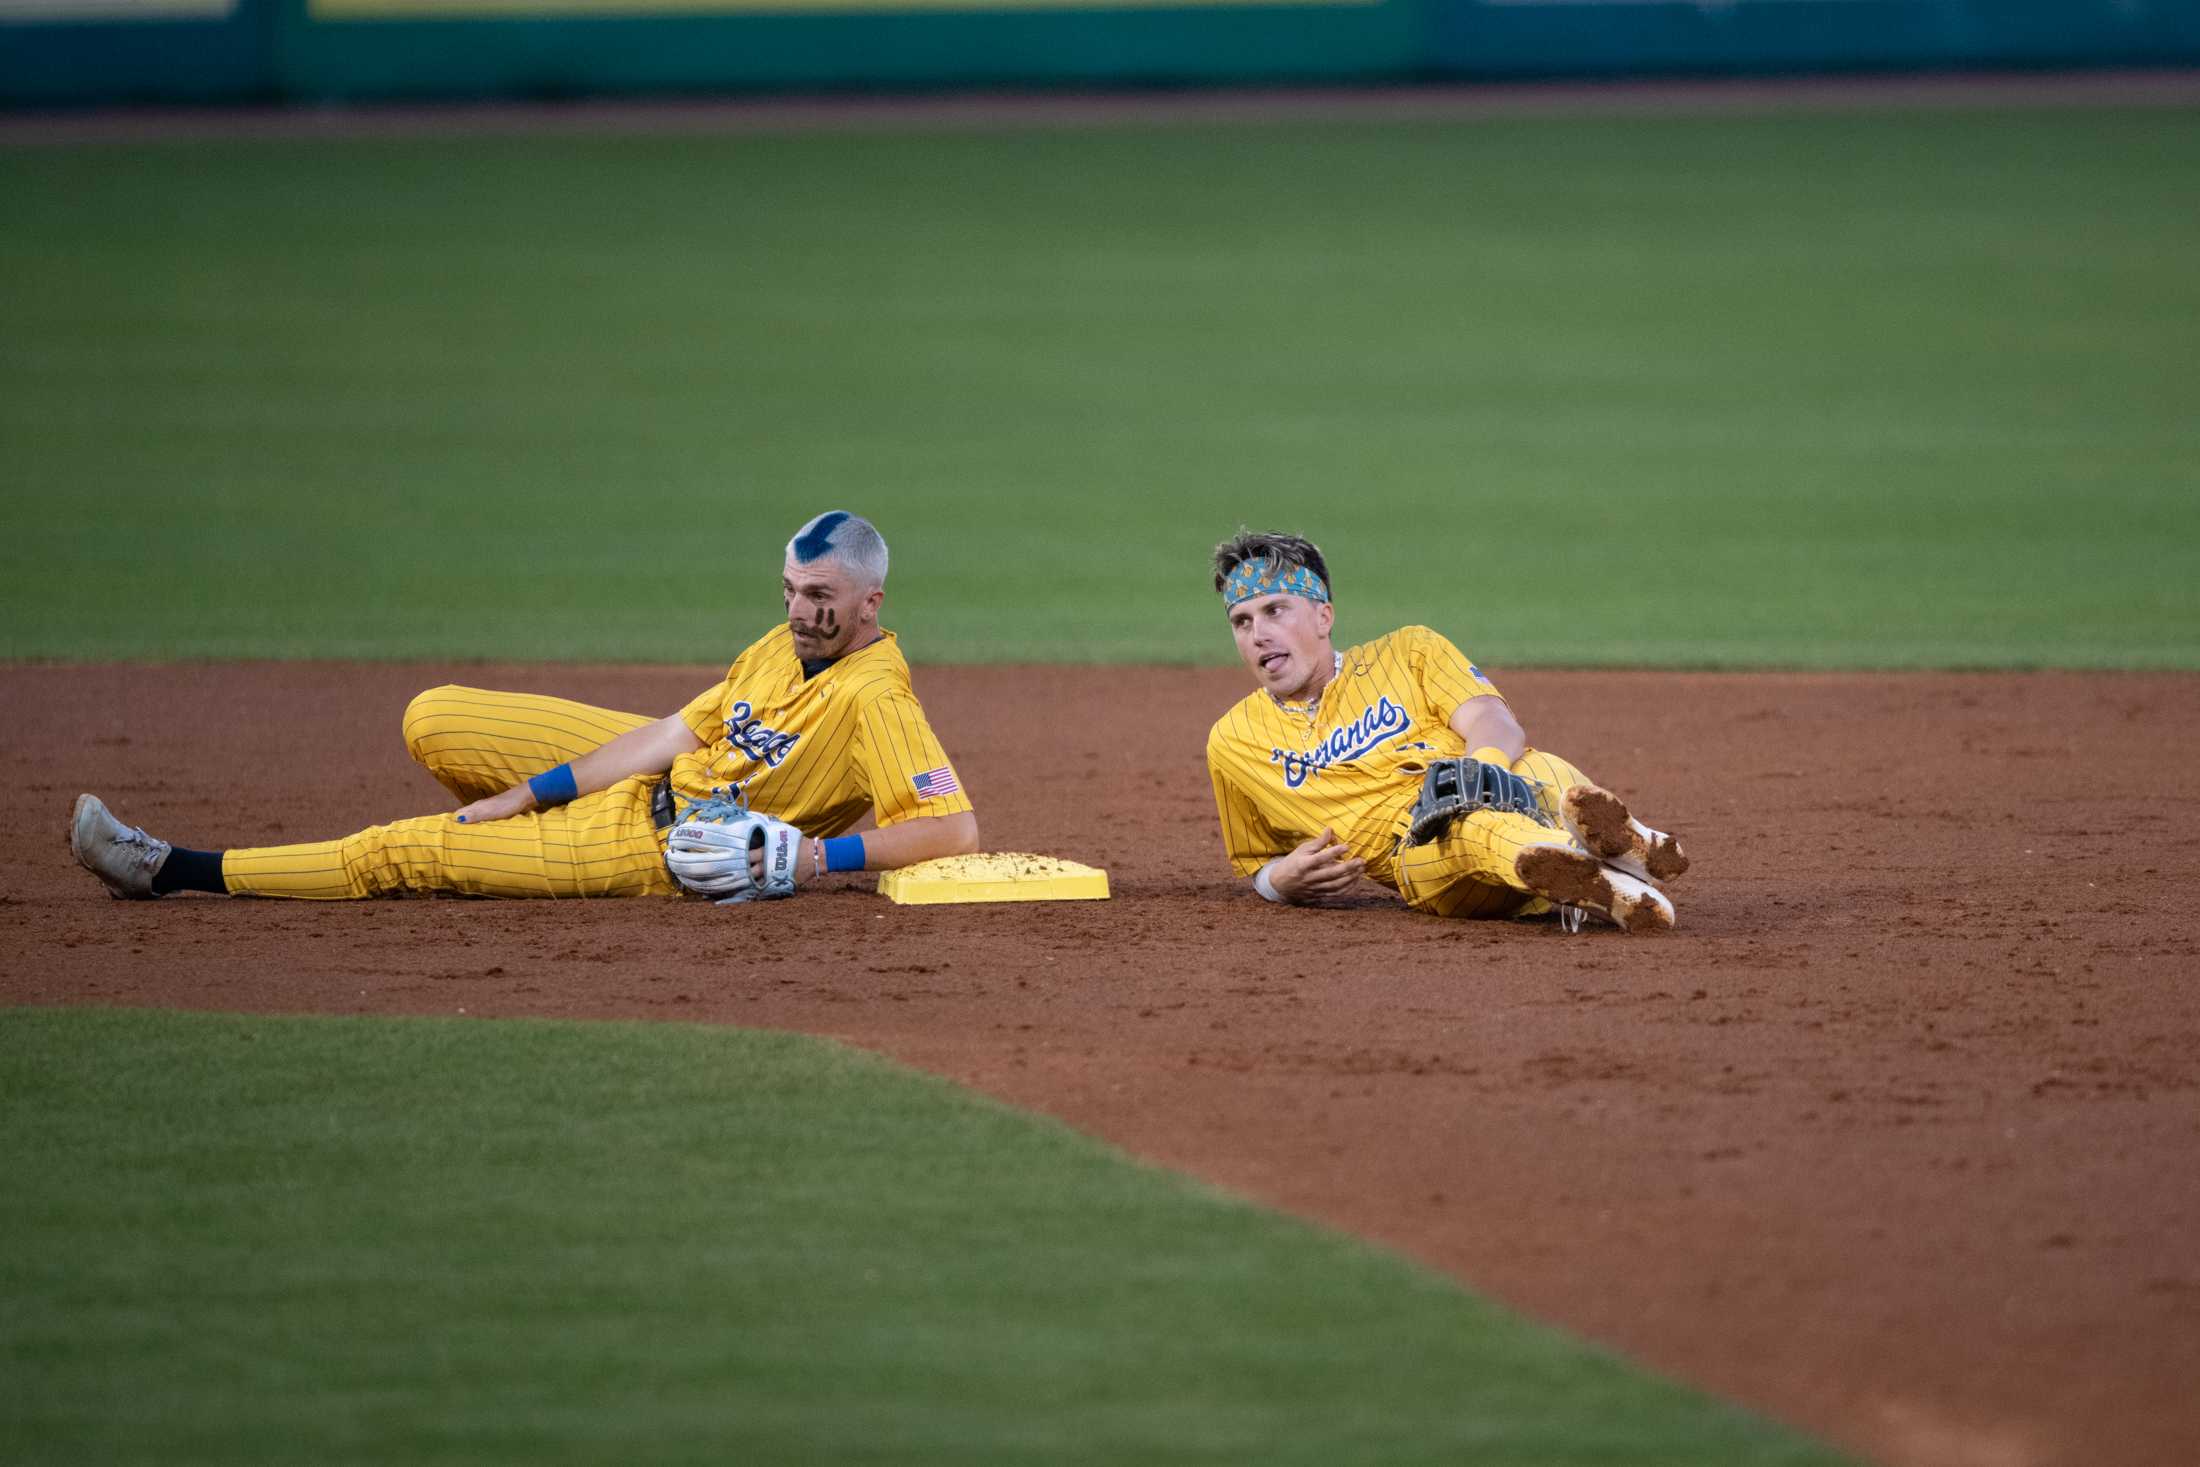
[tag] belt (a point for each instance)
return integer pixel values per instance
(661, 805)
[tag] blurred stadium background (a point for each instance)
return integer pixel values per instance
(73, 51)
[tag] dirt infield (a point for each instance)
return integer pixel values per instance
(1894, 1139)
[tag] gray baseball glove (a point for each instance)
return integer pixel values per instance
(1456, 787)
(708, 852)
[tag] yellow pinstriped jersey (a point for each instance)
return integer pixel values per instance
(818, 751)
(1352, 762)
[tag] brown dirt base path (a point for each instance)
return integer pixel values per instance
(1896, 1138)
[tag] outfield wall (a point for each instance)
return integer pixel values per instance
(106, 51)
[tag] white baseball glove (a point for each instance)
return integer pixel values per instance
(708, 853)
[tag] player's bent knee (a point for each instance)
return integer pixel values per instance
(420, 715)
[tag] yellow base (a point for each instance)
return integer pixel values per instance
(995, 876)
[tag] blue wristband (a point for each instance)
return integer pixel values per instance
(844, 853)
(554, 786)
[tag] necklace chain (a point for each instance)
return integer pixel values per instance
(1311, 709)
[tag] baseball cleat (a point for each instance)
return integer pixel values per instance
(1599, 820)
(123, 856)
(1566, 877)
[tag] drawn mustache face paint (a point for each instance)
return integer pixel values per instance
(827, 611)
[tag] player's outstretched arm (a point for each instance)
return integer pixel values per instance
(1487, 723)
(922, 839)
(1318, 867)
(905, 844)
(649, 749)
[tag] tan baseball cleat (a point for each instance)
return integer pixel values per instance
(1567, 877)
(123, 856)
(1599, 820)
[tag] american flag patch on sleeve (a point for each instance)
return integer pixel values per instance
(935, 782)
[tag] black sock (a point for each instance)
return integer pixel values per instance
(190, 871)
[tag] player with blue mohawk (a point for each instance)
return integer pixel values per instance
(747, 791)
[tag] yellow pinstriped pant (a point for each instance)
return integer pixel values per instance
(477, 743)
(1468, 870)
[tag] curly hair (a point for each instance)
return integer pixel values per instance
(1284, 550)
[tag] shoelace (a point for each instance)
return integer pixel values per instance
(148, 850)
(717, 807)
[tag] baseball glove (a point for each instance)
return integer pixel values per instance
(1456, 787)
(708, 852)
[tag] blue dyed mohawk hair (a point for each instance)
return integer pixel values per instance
(848, 538)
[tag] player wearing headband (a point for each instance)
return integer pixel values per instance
(1399, 761)
(745, 792)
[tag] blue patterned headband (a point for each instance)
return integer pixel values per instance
(1264, 577)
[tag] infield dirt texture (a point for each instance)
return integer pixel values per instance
(1893, 1140)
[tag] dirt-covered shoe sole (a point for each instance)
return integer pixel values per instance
(1570, 878)
(1599, 820)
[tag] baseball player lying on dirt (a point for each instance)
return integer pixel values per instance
(1407, 749)
(742, 794)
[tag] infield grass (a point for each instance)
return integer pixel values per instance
(231, 1239)
(1896, 390)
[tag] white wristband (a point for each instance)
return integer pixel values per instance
(1263, 885)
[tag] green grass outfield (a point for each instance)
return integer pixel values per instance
(1894, 390)
(243, 1240)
